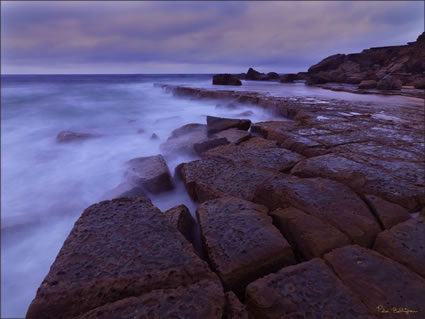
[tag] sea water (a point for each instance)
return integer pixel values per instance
(46, 185)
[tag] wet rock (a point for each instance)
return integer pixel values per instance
(201, 300)
(332, 202)
(225, 79)
(272, 76)
(253, 75)
(217, 124)
(288, 78)
(209, 143)
(211, 178)
(234, 309)
(181, 140)
(307, 234)
(154, 136)
(70, 136)
(125, 190)
(306, 288)
(273, 130)
(241, 242)
(405, 243)
(389, 83)
(367, 84)
(252, 153)
(380, 282)
(180, 217)
(365, 179)
(234, 135)
(389, 214)
(151, 172)
(117, 249)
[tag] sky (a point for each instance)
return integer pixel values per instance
(67, 37)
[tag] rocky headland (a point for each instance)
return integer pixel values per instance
(318, 214)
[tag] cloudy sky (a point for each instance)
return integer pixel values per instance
(195, 37)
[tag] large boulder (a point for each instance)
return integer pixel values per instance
(151, 172)
(308, 235)
(253, 75)
(330, 201)
(225, 79)
(405, 243)
(241, 242)
(70, 136)
(306, 288)
(389, 82)
(381, 283)
(217, 124)
(120, 249)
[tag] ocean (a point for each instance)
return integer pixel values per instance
(46, 185)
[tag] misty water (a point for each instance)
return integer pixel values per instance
(46, 185)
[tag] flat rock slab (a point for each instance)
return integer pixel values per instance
(241, 242)
(272, 129)
(234, 135)
(260, 155)
(180, 217)
(308, 235)
(328, 200)
(381, 283)
(204, 299)
(405, 243)
(306, 290)
(365, 179)
(117, 249)
(209, 143)
(151, 172)
(211, 178)
(389, 214)
(217, 124)
(234, 309)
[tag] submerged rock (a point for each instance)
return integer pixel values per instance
(225, 79)
(241, 242)
(151, 172)
(307, 288)
(119, 249)
(70, 136)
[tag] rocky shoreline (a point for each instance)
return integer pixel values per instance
(319, 214)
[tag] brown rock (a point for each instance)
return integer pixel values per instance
(125, 190)
(234, 309)
(388, 214)
(367, 84)
(405, 243)
(188, 128)
(272, 129)
(204, 299)
(241, 242)
(234, 135)
(307, 234)
(307, 290)
(381, 283)
(69, 136)
(389, 83)
(217, 124)
(209, 143)
(419, 84)
(117, 249)
(211, 178)
(225, 79)
(332, 202)
(180, 217)
(257, 154)
(150, 172)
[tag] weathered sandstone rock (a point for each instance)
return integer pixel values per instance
(389, 83)
(234, 309)
(381, 284)
(180, 217)
(333, 202)
(307, 290)
(217, 124)
(209, 143)
(117, 249)
(234, 135)
(389, 214)
(241, 242)
(308, 235)
(225, 79)
(204, 299)
(211, 178)
(184, 138)
(405, 243)
(150, 172)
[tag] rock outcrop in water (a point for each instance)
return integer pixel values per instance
(70, 136)
(391, 67)
(225, 79)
